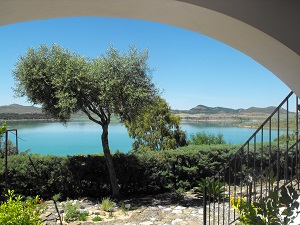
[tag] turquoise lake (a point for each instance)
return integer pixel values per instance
(84, 137)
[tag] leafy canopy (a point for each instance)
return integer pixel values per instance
(156, 128)
(64, 82)
(3, 128)
(203, 138)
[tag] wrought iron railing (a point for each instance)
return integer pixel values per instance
(272, 150)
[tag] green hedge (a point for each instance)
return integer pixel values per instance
(138, 173)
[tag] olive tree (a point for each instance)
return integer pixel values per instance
(156, 128)
(64, 83)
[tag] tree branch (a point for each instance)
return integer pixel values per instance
(92, 118)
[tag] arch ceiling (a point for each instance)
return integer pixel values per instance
(266, 30)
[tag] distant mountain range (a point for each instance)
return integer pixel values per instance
(20, 109)
(19, 112)
(199, 109)
(202, 109)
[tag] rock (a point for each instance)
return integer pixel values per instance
(146, 223)
(48, 217)
(82, 211)
(177, 211)
(74, 202)
(180, 207)
(97, 212)
(177, 221)
(149, 212)
(75, 223)
(127, 206)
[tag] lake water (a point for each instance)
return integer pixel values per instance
(84, 137)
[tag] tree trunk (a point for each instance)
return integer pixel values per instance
(109, 162)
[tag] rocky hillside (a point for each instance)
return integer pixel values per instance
(15, 112)
(202, 109)
(19, 109)
(19, 112)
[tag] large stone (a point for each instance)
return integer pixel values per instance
(82, 211)
(180, 207)
(97, 212)
(146, 223)
(177, 211)
(177, 221)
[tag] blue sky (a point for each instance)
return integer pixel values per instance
(190, 68)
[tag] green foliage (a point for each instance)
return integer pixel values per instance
(14, 211)
(183, 167)
(83, 216)
(36, 174)
(97, 218)
(138, 173)
(283, 139)
(178, 194)
(106, 204)
(64, 83)
(72, 212)
(3, 128)
(11, 148)
(56, 197)
(202, 138)
(267, 209)
(156, 128)
(214, 189)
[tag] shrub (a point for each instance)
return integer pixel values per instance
(107, 204)
(203, 138)
(214, 189)
(14, 211)
(97, 218)
(83, 216)
(138, 173)
(178, 194)
(268, 209)
(71, 211)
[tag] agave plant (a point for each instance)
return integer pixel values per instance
(214, 189)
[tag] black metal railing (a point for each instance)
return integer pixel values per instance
(272, 150)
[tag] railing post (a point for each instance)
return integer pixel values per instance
(6, 156)
(250, 179)
(255, 167)
(297, 138)
(204, 205)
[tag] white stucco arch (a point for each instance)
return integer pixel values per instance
(267, 31)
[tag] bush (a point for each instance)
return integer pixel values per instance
(138, 173)
(96, 219)
(203, 138)
(14, 211)
(37, 175)
(215, 189)
(107, 204)
(279, 207)
(72, 212)
(83, 216)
